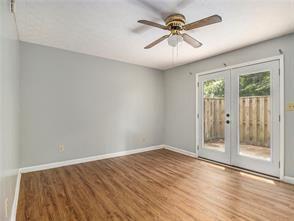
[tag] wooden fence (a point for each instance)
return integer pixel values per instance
(254, 120)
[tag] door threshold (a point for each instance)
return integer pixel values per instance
(241, 169)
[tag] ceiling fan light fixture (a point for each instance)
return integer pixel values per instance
(174, 40)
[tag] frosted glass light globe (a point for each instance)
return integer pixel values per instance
(173, 40)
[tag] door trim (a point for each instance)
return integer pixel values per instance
(279, 58)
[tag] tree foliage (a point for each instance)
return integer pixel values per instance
(257, 84)
(214, 88)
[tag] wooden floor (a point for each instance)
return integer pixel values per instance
(155, 185)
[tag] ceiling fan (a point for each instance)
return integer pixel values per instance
(176, 25)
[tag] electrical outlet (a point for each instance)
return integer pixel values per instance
(61, 147)
(6, 207)
(290, 107)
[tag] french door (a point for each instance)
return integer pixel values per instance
(239, 117)
(214, 112)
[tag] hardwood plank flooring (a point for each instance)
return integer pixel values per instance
(155, 185)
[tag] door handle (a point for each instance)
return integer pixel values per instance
(227, 121)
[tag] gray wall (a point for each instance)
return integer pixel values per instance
(180, 97)
(89, 104)
(9, 107)
(96, 106)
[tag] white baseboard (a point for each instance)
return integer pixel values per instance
(16, 195)
(101, 157)
(178, 150)
(87, 159)
(288, 179)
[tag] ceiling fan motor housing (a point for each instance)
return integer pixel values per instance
(175, 22)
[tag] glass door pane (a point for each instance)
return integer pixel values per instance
(254, 115)
(214, 114)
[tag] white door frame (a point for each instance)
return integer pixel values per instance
(279, 58)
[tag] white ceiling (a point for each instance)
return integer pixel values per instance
(109, 28)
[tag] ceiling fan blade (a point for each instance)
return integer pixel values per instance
(157, 41)
(142, 28)
(151, 23)
(203, 22)
(191, 41)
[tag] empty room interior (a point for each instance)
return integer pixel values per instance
(164, 110)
